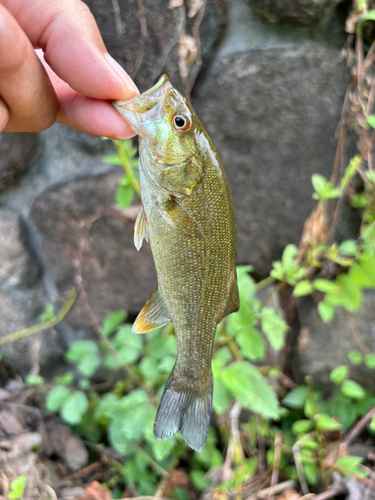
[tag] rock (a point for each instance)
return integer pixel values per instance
(78, 217)
(17, 153)
(22, 299)
(296, 12)
(66, 154)
(144, 36)
(271, 104)
(14, 463)
(323, 346)
(16, 267)
(66, 445)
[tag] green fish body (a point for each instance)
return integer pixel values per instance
(187, 216)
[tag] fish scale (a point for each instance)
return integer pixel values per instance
(187, 215)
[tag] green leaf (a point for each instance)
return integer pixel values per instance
(274, 327)
(221, 397)
(250, 388)
(56, 397)
(370, 16)
(302, 288)
(88, 365)
(129, 354)
(372, 424)
(126, 338)
(326, 312)
(49, 312)
(370, 361)
(124, 196)
(355, 357)
(302, 426)
(112, 160)
(199, 480)
(352, 465)
(34, 380)
(149, 368)
(17, 487)
(161, 449)
(339, 374)
(326, 423)
(166, 364)
(251, 344)
(106, 407)
(79, 349)
(296, 398)
(318, 182)
(352, 389)
(74, 407)
(64, 379)
(324, 285)
(113, 321)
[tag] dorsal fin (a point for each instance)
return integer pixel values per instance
(153, 315)
(140, 229)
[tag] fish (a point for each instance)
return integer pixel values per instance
(188, 218)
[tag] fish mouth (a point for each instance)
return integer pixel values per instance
(145, 107)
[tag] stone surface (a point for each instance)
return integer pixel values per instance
(323, 346)
(298, 12)
(17, 153)
(271, 106)
(77, 216)
(65, 155)
(22, 300)
(143, 36)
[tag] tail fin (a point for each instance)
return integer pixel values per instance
(185, 408)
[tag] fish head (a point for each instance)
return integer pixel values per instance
(166, 124)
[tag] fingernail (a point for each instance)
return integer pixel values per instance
(122, 73)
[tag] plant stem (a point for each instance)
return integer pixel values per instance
(45, 324)
(127, 167)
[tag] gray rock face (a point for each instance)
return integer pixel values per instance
(272, 112)
(298, 12)
(17, 153)
(78, 229)
(145, 40)
(323, 346)
(21, 300)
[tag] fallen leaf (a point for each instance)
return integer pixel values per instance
(95, 491)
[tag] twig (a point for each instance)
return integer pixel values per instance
(357, 429)
(198, 60)
(152, 462)
(356, 333)
(273, 490)
(276, 460)
(127, 167)
(45, 324)
(298, 462)
(142, 46)
(117, 13)
(364, 480)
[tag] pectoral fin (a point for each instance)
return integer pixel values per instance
(140, 229)
(153, 315)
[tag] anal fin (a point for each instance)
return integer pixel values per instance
(140, 229)
(153, 315)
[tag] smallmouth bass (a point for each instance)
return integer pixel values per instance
(187, 216)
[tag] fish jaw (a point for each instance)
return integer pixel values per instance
(145, 108)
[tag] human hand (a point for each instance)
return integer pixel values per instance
(75, 80)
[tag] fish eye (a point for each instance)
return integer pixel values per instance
(181, 122)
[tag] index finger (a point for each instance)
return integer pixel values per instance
(73, 47)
